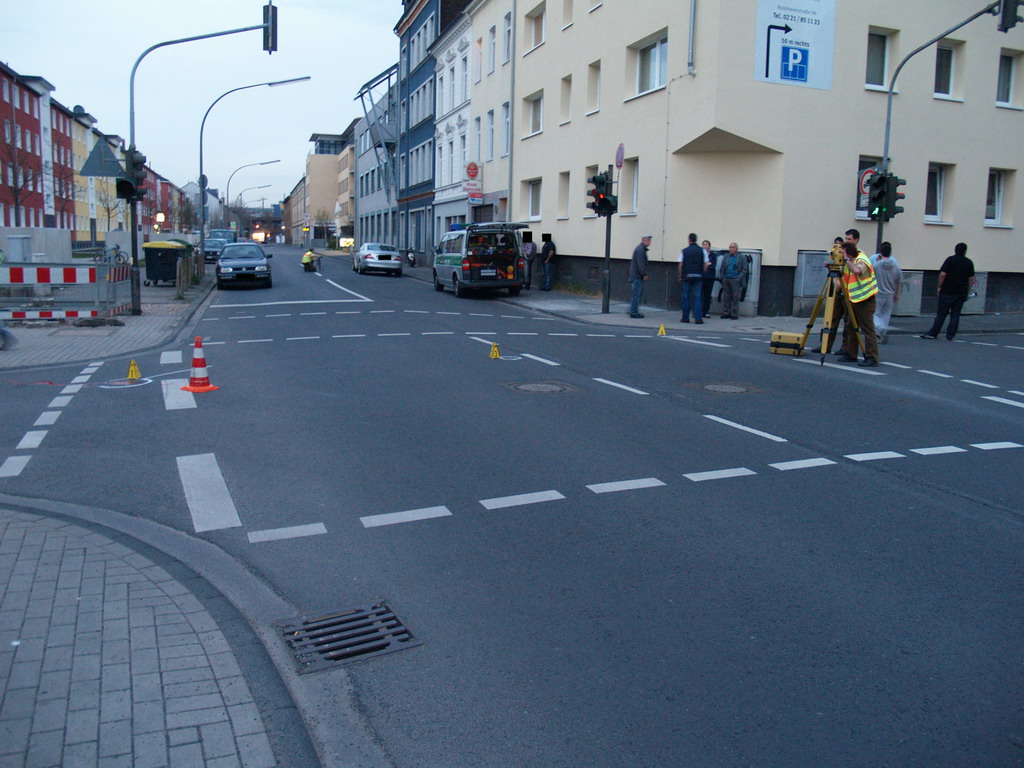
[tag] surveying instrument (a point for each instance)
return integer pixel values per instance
(785, 343)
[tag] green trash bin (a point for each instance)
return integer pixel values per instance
(162, 260)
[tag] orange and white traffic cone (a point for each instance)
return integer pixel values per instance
(199, 381)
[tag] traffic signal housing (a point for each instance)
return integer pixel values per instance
(878, 188)
(604, 203)
(269, 28)
(893, 196)
(1009, 14)
(131, 185)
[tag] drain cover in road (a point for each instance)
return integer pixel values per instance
(327, 640)
(540, 387)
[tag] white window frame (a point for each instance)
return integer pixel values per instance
(594, 87)
(997, 194)
(490, 135)
(534, 199)
(492, 49)
(1013, 63)
(535, 27)
(506, 129)
(935, 192)
(506, 36)
(534, 113)
(656, 55)
(886, 38)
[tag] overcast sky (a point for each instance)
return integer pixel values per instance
(86, 51)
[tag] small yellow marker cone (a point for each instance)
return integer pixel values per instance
(495, 354)
(133, 372)
(661, 330)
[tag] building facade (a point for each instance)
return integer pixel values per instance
(376, 161)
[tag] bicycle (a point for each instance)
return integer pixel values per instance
(116, 256)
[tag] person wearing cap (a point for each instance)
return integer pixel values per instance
(638, 274)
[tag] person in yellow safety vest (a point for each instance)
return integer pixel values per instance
(860, 285)
(307, 260)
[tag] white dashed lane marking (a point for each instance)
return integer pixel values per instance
(719, 474)
(170, 358)
(206, 493)
(751, 430)
(175, 398)
(876, 456)
(1003, 400)
(522, 499)
(393, 518)
(786, 466)
(621, 386)
(938, 450)
(626, 485)
(290, 532)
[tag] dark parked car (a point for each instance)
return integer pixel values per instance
(243, 264)
(212, 247)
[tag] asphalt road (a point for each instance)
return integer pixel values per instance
(617, 549)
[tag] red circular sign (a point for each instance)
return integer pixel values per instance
(472, 170)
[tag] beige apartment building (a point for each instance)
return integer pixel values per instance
(752, 121)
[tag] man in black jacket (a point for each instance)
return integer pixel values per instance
(692, 264)
(956, 278)
(637, 274)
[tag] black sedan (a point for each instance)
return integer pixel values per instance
(243, 264)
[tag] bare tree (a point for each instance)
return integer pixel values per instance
(108, 201)
(18, 166)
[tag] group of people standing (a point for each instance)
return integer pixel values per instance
(699, 268)
(540, 263)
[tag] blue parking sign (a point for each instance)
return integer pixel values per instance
(794, 63)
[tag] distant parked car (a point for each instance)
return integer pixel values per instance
(243, 264)
(384, 258)
(212, 248)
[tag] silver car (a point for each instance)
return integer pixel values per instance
(384, 258)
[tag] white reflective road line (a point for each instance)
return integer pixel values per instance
(437, 333)
(291, 532)
(349, 336)
(785, 466)
(523, 333)
(601, 335)
(207, 494)
(60, 402)
(934, 373)
(563, 334)
(876, 456)
(751, 430)
(695, 341)
(346, 290)
(540, 359)
(897, 365)
(393, 518)
(394, 334)
(1003, 400)
(416, 311)
(622, 386)
(47, 418)
(626, 485)
(13, 466)
(521, 499)
(71, 389)
(383, 311)
(995, 446)
(80, 379)
(719, 474)
(938, 450)
(1010, 346)
(979, 383)
(288, 314)
(984, 343)
(170, 358)
(292, 303)
(840, 367)
(32, 439)
(305, 314)
(301, 338)
(175, 399)
(488, 342)
(243, 317)
(1015, 392)
(254, 341)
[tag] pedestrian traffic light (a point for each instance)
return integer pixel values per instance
(604, 203)
(131, 185)
(877, 195)
(269, 28)
(1008, 14)
(893, 196)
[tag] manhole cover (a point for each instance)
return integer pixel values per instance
(725, 389)
(341, 637)
(540, 387)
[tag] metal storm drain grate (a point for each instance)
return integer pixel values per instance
(341, 637)
(540, 387)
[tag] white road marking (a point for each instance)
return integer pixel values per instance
(449, 313)
(349, 336)
(437, 333)
(514, 317)
(984, 344)
(382, 311)
(350, 312)
(897, 365)
(697, 341)
(938, 450)
(540, 359)
(563, 334)
(170, 358)
(523, 333)
(393, 518)
(290, 532)
(995, 446)
(1003, 400)
(71, 389)
(289, 314)
(243, 317)
(934, 373)
(175, 399)
(416, 311)
(785, 466)
(254, 341)
(625, 485)
(841, 367)
(763, 341)
(601, 335)
(719, 474)
(622, 386)
(306, 314)
(80, 379)
(13, 466)
(346, 290)
(394, 334)
(47, 418)
(488, 342)
(300, 338)
(32, 439)
(209, 500)
(875, 456)
(979, 383)
(1015, 392)
(92, 368)
(635, 336)
(1010, 346)
(59, 402)
(751, 430)
(479, 314)
(521, 499)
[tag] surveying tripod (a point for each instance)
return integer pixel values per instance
(827, 298)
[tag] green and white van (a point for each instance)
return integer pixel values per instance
(480, 256)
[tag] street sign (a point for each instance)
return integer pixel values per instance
(620, 155)
(472, 170)
(864, 185)
(795, 44)
(101, 162)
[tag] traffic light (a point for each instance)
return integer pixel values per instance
(604, 203)
(878, 188)
(131, 185)
(893, 196)
(269, 28)
(1008, 14)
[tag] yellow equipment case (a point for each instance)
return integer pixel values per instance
(786, 343)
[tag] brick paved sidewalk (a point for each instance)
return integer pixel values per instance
(107, 660)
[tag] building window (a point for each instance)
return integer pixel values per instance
(652, 66)
(506, 36)
(566, 13)
(878, 59)
(535, 27)
(563, 195)
(534, 113)
(490, 134)
(479, 63)
(566, 108)
(947, 58)
(492, 47)
(506, 129)
(479, 138)
(534, 199)
(629, 186)
(1005, 80)
(994, 197)
(594, 87)
(935, 193)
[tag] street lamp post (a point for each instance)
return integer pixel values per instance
(202, 126)
(240, 205)
(227, 189)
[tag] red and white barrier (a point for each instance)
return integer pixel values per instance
(61, 275)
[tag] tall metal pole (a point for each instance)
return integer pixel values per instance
(227, 189)
(606, 279)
